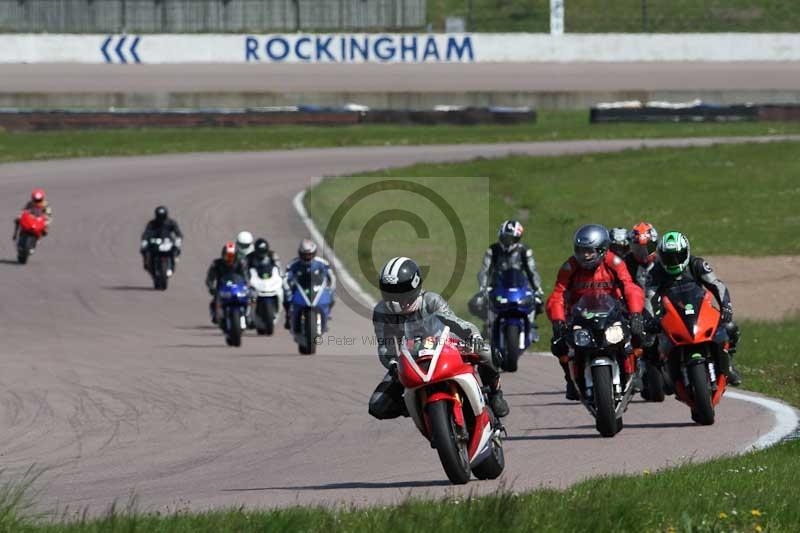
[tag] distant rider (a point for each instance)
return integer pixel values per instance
(644, 240)
(37, 205)
(306, 260)
(620, 244)
(592, 269)
(675, 264)
(245, 244)
(405, 300)
(229, 263)
(165, 227)
(262, 258)
(506, 254)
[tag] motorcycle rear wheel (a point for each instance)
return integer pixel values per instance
(603, 394)
(653, 379)
(512, 351)
(452, 450)
(703, 411)
(492, 466)
(266, 315)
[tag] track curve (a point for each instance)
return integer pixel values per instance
(117, 389)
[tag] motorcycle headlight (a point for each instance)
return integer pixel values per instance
(582, 338)
(615, 334)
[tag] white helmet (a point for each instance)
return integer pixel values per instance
(244, 242)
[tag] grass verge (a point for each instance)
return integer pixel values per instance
(552, 125)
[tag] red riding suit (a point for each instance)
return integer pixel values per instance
(610, 277)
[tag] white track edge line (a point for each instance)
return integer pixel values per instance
(786, 417)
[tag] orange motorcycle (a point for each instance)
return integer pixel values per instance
(696, 348)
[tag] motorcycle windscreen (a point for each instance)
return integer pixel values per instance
(423, 337)
(311, 281)
(510, 286)
(594, 305)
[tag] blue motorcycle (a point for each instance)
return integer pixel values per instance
(234, 298)
(309, 309)
(512, 301)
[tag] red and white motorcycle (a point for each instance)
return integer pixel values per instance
(444, 397)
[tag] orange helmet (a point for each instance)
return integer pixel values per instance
(37, 196)
(229, 252)
(644, 240)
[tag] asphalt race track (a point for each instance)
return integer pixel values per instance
(456, 77)
(120, 390)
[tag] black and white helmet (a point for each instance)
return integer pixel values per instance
(307, 250)
(244, 242)
(400, 283)
(510, 232)
(590, 245)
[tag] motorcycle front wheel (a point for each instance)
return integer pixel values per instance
(603, 394)
(451, 448)
(23, 249)
(234, 333)
(512, 350)
(703, 412)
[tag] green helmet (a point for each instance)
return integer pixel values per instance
(673, 252)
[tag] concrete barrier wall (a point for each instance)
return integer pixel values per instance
(396, 48)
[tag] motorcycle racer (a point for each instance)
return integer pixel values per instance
(592, 269)
(505, 254)
(675, 264)
(620, 243)
(306, 259)
(230, 262)
(644, 240)
(162, 226)
(403, 300)
(37, 205)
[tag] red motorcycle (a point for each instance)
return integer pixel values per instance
(696, 348)
(445, 399)
(31, 228)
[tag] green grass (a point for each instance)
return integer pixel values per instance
(757, 489)
(738, 200)
(553, 125)
(600, 16)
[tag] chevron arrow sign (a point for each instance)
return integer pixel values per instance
(115, 48)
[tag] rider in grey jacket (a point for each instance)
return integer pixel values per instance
(506, 254)
(403, 301)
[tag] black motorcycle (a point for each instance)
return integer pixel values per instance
(602, 360)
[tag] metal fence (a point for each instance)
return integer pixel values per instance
(202, 16)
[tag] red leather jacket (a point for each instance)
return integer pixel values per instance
(610, 277)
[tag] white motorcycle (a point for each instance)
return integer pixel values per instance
(267, 299)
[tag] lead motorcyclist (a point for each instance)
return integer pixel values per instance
(403, 299)
(162, 226)
(506, 254)
(37, 205)
(675, 264)
(306, 259)
(229, 263)
(592, 269)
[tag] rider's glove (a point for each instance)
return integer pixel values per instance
(637, 325)
(727, 313)
(477, 343)
(539, 304)
(559, 329)
(143, 245)
(393, 368)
